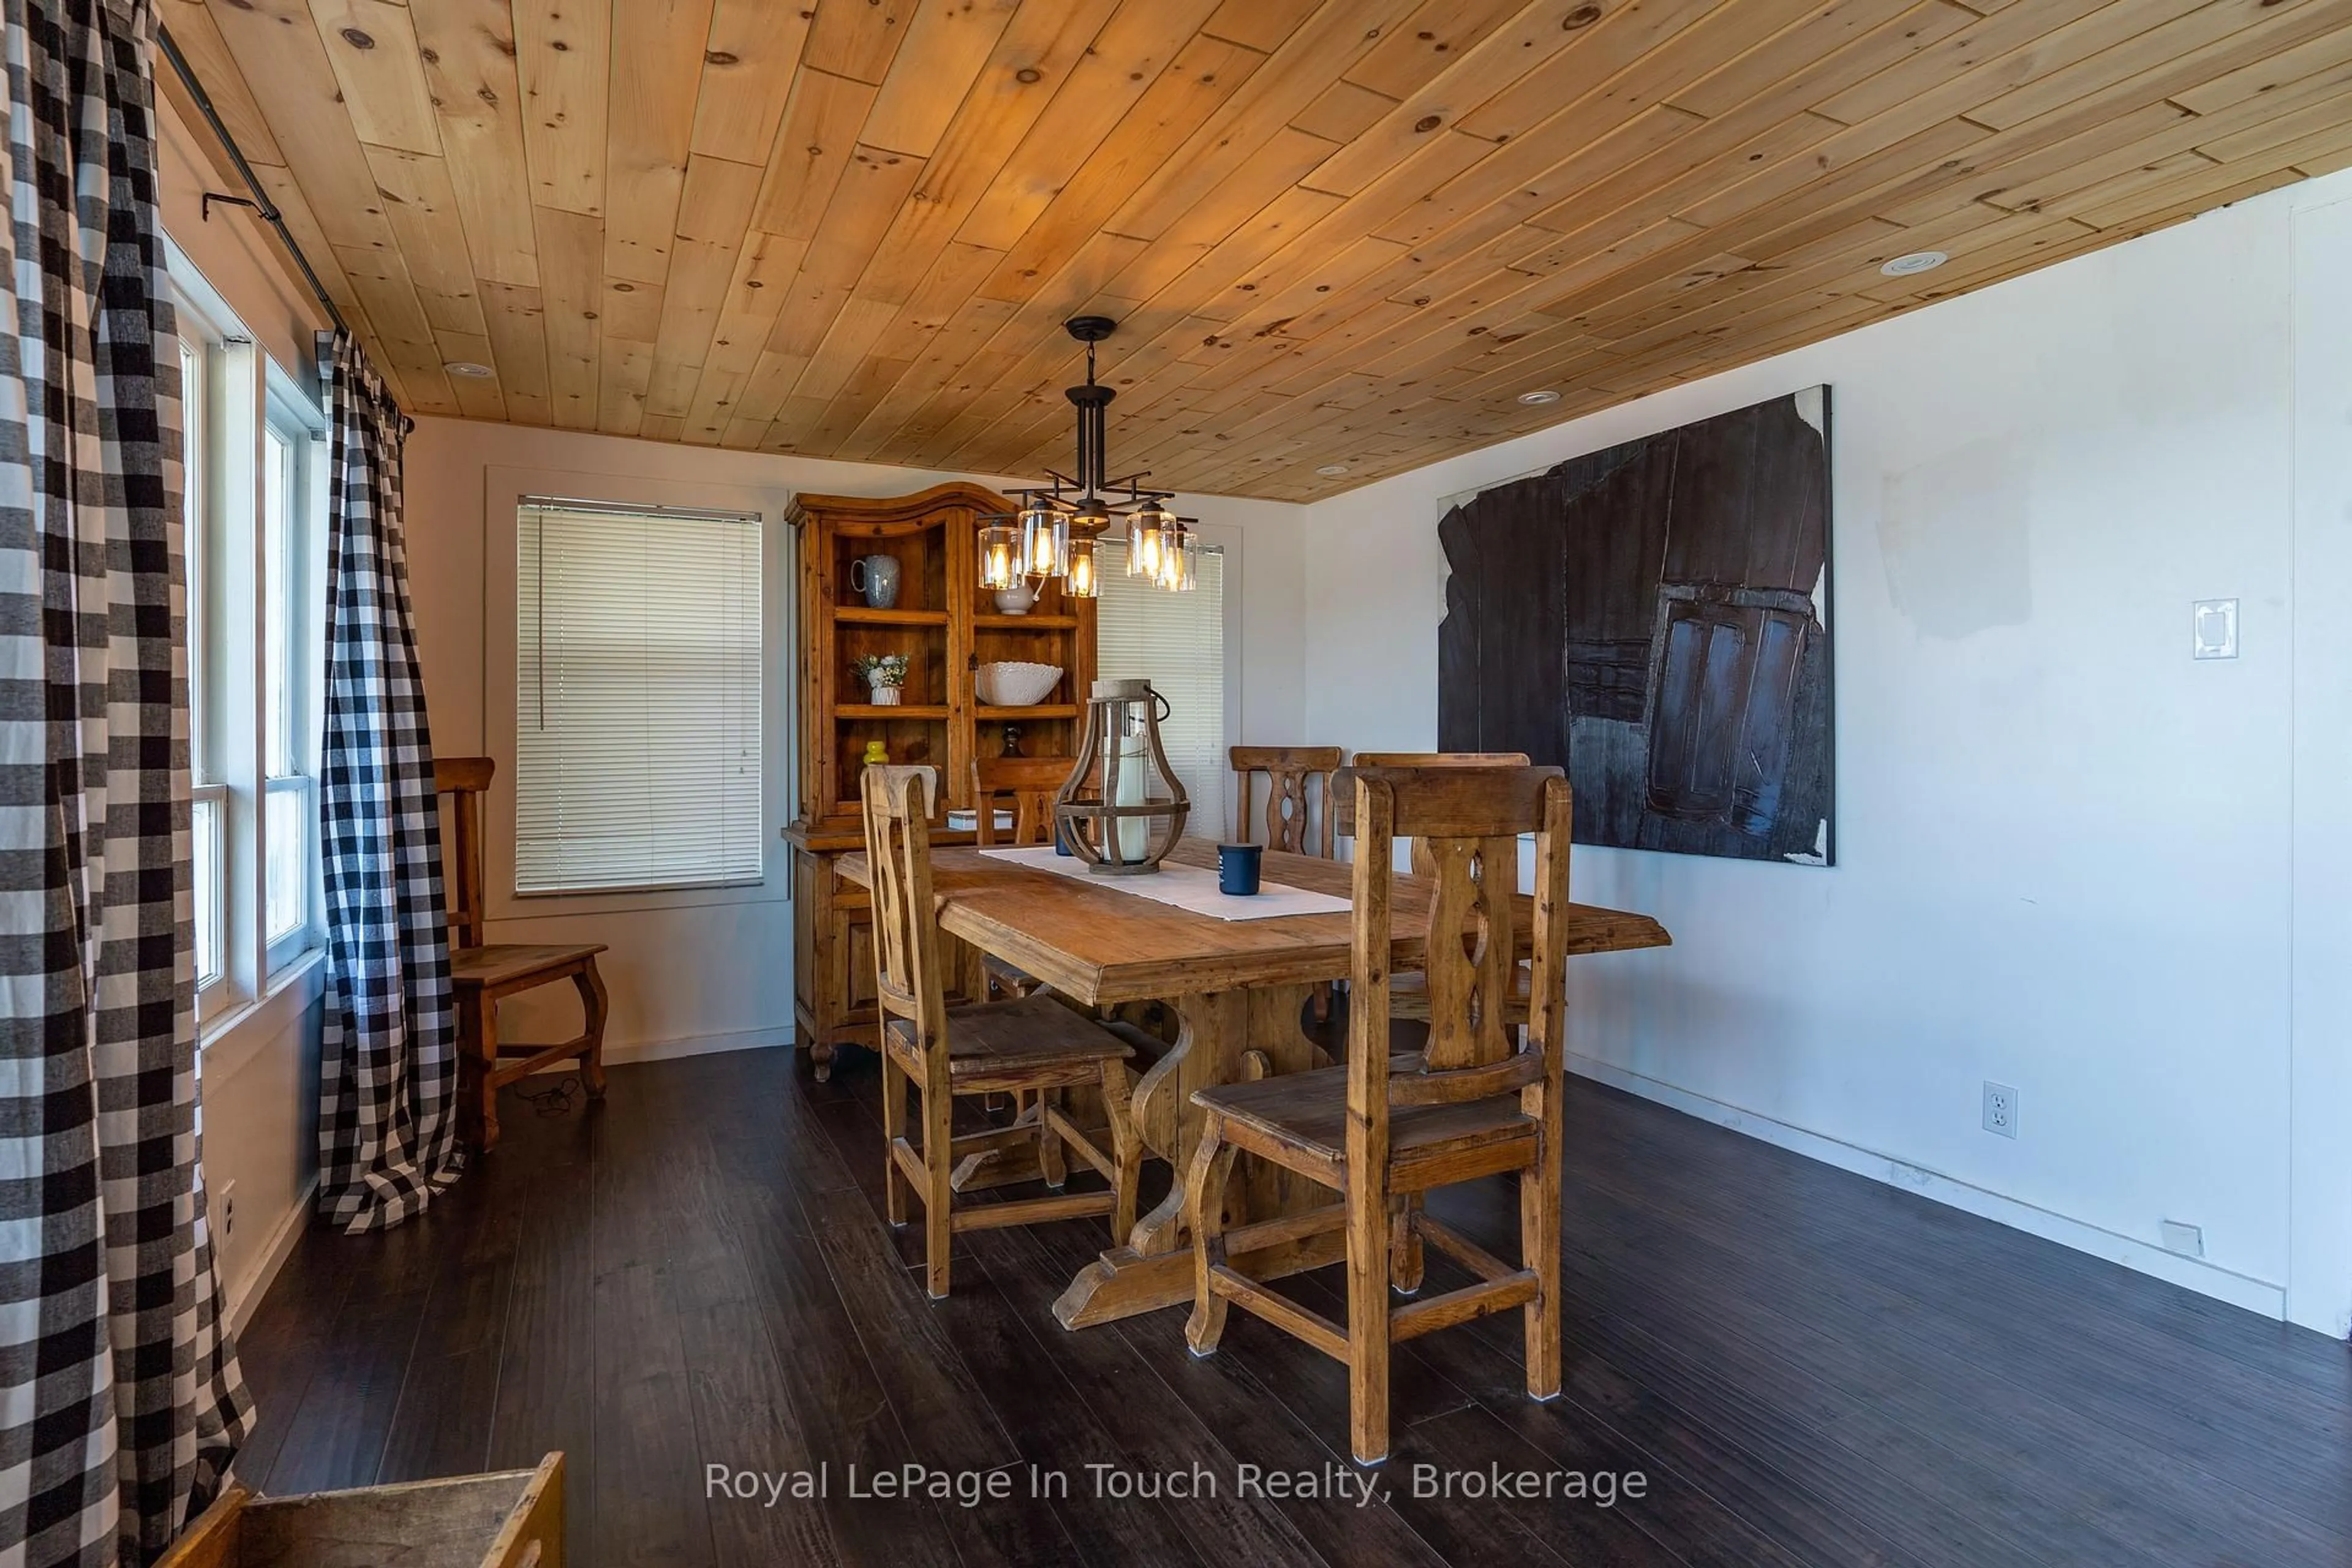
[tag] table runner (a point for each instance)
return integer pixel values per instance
(1184, 886)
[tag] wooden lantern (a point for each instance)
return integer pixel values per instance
(1122, 808)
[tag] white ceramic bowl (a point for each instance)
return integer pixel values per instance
(1015, 683)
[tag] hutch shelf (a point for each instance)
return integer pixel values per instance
(948, 627)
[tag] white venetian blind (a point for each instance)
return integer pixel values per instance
(1177, 642)
(638, 743)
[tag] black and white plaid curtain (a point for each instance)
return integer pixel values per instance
(387, 1090)
(119, 1399)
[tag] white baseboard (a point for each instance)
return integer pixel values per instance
(2190, 1273)
(618, 1053)
(280, 1247)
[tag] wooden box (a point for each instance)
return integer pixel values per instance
(511, 1518)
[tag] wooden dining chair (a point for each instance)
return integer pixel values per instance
(1479, 1101)
(1409, 996)
(1025, 786)
(1290, 823)
(482, 975)
(1031, 1044)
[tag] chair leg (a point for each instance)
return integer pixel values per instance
(1540, 1251)
(1126, 1150)
(896, 1190)
(1404, 1243)
(484, 1033)
(939, 1164)
(1204, 1211)
(1050, 1157)
(1368, 1320)
(594, 1007)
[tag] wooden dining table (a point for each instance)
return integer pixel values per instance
(1239, 989)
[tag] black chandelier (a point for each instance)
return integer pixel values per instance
(1059, 526)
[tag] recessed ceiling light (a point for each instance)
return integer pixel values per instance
(1535, 399)
(1332, 470)
(469, 369)
(1917, 261)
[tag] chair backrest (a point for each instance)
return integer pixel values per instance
(899, 803)
(1289, 823)
(1032, 782)
(464, 780)
(1422, 864)
(1471, 820)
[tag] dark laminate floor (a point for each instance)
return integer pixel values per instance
(1806, 1366)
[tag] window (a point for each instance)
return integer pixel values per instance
(253, 511)
(291, 657)
(1176, 641)
(637, 698)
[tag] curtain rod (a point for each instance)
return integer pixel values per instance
(262, 203)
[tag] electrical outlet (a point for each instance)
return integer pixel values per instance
(2188, 1240)
(2000, 1109)
(228, 1211)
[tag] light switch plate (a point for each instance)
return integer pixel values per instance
(2217, 628)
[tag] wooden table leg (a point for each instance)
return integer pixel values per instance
(1226, 1037)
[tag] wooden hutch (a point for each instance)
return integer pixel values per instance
(948, 626)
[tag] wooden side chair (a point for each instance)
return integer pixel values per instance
(1289, 823)
(1476, 1102)
(1026, 786)
(1031, 1045)
(1409, 996)
(481, 975)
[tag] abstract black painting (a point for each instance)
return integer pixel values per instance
(1654, 618)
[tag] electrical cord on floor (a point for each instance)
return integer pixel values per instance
(559, 1101)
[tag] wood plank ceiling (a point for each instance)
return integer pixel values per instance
(1351, 232)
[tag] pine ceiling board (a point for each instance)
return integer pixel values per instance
(747, 64)
(403, 337)
(562, 60)
(518, 349)
(469, 52)
(2004, 51)
(657, 49)
(764, 391)
(2256, 27)
(631, 312)
(624, 371)
(1626, 61)
(938, 61)
(1824, 32)
(191, 25)
(1422, 46)
(1097, 93)
(1003, 99)
(857, 37)
(1289, 79)
(423, 209)
(714, 211)
(854, 331)
(1203, 78)
(371, 47)
(2272, 71)
(1343, 111)
(914, 334)
(1260, 24)
(1264, 206)
(570, 294)
(763, 271)
(275, 42)
(817, 139)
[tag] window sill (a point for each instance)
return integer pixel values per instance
(226, 1042)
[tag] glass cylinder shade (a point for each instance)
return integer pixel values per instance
(1082, 582)
(1180, 549)
(1147, 537)
(1044, 543)
(1000, 547)
(1121, 809)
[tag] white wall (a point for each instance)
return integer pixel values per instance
(2069, 858)
(717, 974)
